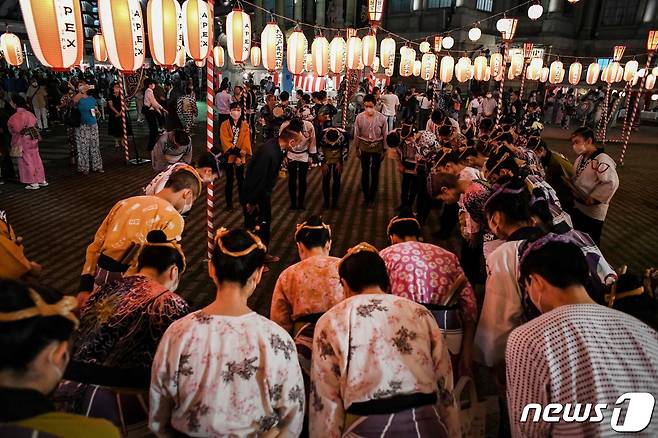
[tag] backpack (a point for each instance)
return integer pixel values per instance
(72, 117)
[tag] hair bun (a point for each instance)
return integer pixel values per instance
(156, 236)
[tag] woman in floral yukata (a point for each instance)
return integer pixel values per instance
(433, 277)
(380, 364)
(225, 370)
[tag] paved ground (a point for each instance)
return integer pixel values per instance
(58, 222)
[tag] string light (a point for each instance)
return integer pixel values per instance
(535, 11)
(474, 34)
(448, 42)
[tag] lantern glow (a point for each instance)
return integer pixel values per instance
(10, 46)
(197, 29)
(337, 54)
(354, 49)
(369, 50)
(446, 69)
(100, 51)
(575, 71)
(630, 69)
(448, 42)
(474, 34)
(375, 11)
(122, 26)
(428, 67)
(238, 35)
(387, 52)
(218, 56)
(593, 73)
(297, 48)
(507, 28)
(162, 16)
(480, 68)
(320, 55)
(556, 72)
(255, 56)
(271, 43)
(535, 11)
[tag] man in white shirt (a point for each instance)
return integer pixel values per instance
(489, 106)
(223, 101)
(577, 355)
(595, 182)
(390, 104)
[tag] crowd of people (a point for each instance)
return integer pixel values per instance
(377, 341)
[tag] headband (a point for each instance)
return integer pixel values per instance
(169, 244)
(397, 219)
(258, 244)
(500, 189)
(463, 151)
(542, 241)
(361, 247)
(304, 226)
(63, 308)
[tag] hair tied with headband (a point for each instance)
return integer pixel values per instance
(499, 189)
(158, 238)
(258, 244)
(397, 220)
(361, 247)
(543, 241)
(63, 308)
(304, 226)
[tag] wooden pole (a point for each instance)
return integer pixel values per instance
(124, 124)
(210, 100)
(499, 113)
(627, 135)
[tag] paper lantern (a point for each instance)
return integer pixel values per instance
(556, 72)
(255, 56)
(448, 42)
(218, 56)
(197, 29)
(122, 26)
(480, 68)
(238, 35)
(337, 49)
(297, 48)
(652, 41)
(611, 72)
(438, 43)
(620, 74)
(630, 69)
(462, 69)
(496, 64)
(375, 65)
(575, 70)
(474, 34)
(10, 45)
(354, 48)
(516, 65)
(55, 30)
(446, 69)
(510, 74)
(165, 30)
(180, 58)
(407, 59)
(593, 73)
(418, 65)
(654, 71)
(487, 75)
(534, 69)
(320, 55)
(507, 28)
(387, 52)
(535, 11)
(100, 51)
(369, 50)
(375, 11)
(201, 63)
(545, 72)
(271, 43)
(618, 53)
(650, 82)
(390, 70)
(308, 63)
(424, 47)
(428, 67)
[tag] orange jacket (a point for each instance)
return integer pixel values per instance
(244, 140)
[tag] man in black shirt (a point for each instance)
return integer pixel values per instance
(260, 179)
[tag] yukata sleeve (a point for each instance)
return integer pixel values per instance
(281, 310)
(326, 410)
(94, 251)
(608, 183)
(467, 301)
(163, 387)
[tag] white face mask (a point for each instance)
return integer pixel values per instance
(579, 149)
(236, 114)
(488, 96)
(187, 207)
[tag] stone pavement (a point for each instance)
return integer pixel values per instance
(58, 222)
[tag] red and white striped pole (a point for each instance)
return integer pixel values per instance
(346, 94)
(124, 125)
(629, 128)
(501, 87)
(210, 99)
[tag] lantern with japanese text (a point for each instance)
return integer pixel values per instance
(462, 69)
(375, 65)
(496, 65)
(163, 17)
(297, 48)
(387, 52)
(390, 70)
(650, 82)
(618, 53)
(630, 69)
(428, 66)
(100, 51)
(575, 70)
(337, 49)
(480, 68)
(418, 65)
(354, 49)
(593, 73)
(652, 41)
(375, 11)
(320, 55)
(122, 26)
(534, 69)
(198, 29)
(446, 68)
(545, 72)
(55, 30)
(369, 49)
(271, 43)
(507, 28)
(255, 56)
(516, 65)
(218, 56)
(557, 72)
(620, 74)
(407, 59)
(10, 46)
(238, 35)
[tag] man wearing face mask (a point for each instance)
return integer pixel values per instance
(488, 106)
(261, 176)
(117, 241)
(370, 131)
(594, 183)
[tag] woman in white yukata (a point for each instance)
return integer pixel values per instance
(225, 370)
(380, 365)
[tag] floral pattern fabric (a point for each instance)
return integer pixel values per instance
(425, 273)
(309, 287)
(226, 376)
(377, 346)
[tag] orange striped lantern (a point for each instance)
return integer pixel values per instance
(407, 58)
(369, 50)
(271, 43)
(122, 26)
(165, 28)
(593, 73)
(447, 69)
(100, 51)
(218, 56)
(55, 30)
(496, 65)
(255, 56)
(575, 70)
(387, 52)
(320, 55)
(297, 48)
(238, 35)
(428, 66)
(337, 49)
(197, 29)
(354, 49)
(480, 68)
(10, 46)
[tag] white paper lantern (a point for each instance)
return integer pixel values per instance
(462, 69)
(448, 42)
(593, 73)
(238, 35)
(545, 72)
(12, 51)
(556, 73)
(474, 34)
(337, 55)
(446, 69)
(123, 29)
(654, 71)
(428, 67)
(630, 69)
(376, 64)
(271, 43)
(650, 82)
(297, 49)
(516, 65)
(387, 52)
(368, 50)
(218, 57)
(480, 68)
(320, 54)
(417, 67)
(354, 50)
(424, 47)
(407, 59)
(165, 30)
(197, 29)
(255, 56)
(575, 71)
(535, 11)
(496, 65)
(534, 69)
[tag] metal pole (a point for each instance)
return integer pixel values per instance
(627, 136)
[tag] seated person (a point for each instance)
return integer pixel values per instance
(225, 370)
(35, 330)
(375, 355)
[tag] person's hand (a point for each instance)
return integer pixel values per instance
(35, 269)
(238, 162)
